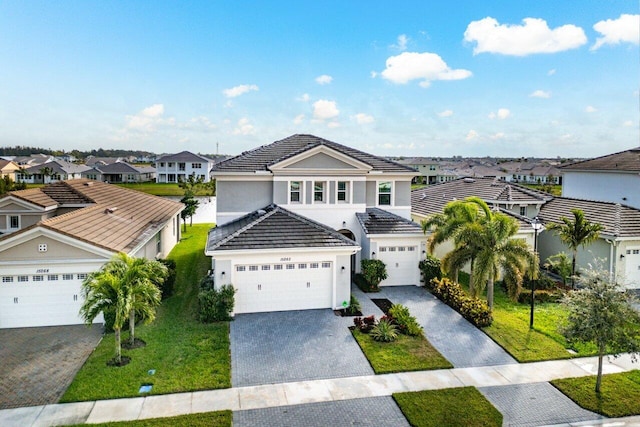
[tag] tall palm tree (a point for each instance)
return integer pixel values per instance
(143, 279)
(496, 253)
(575, 233)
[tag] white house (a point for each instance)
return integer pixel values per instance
(178, 167)
(295, 218)
(54, 236)
(51, 171)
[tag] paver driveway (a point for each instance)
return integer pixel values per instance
(38, 364)
(285, 346)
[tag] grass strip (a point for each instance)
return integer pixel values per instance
(206, 419)
(159, 189)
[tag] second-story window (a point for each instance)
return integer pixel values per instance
(181, 166)
(318, 192)
(384, 193)
(295, 188)
(523, 210)
(343, 192)
(161, 164)
(170, 164)
(14, 222)
(196, 165)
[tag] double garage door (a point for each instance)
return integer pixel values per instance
(40, 300)
(284, 286)
(402, 264)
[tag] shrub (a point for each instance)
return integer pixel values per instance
(541, 295)
(374, 271)
(354, 306)
(216, 304)
(430, 269)
(365, 324)
(543, 282)
(167, 286)
(384, 331)
(407, 323)
(362, 283)
(452, 294)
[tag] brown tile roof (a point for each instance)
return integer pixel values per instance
(625, 161)
(274, 227)
(618, 220)
(117, 220)
(35, 196)
(261, 158)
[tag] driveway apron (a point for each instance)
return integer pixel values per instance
(285, 346)
(459, 341)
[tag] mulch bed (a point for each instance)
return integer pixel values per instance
(124, 360)
(137, 343)
(343, 313)
(383, 304)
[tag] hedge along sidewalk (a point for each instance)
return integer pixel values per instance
(185, 354)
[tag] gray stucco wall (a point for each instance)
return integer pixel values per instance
(243, 196)
(372, 193)
(403, 193)
(332, 192)
(321, 161)
(343, 279)
(280, 192)
(549, 244)
(359, 192)
(308, 192)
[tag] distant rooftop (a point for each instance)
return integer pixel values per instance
(624, 161)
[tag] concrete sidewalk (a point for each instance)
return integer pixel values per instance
(297, 393)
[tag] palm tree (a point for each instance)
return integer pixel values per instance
(496, 253)
(575, 233)
(143, 279)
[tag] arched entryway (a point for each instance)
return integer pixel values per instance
(348, 234)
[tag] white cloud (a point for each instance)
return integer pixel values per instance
(362, 118)
(590, 109)
(148, 118)
(333, 125)
(324, 79)
(625, 29)
(374, 74)
(502, 114)
(239, 90)
(472, 135)
(244, 127)
(551, 72)
(540, 94)
(304, 98)
(323, 109)
(534, 36)
(628, 124)
(498, 135)
(445, 113)
(401, 44)
(425, 66)
(298, 119)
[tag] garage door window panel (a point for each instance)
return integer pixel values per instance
(23, 279)
(7, 279)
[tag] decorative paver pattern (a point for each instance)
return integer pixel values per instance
(374, 411)
(38, 364)
(459, 341)
(535, 405)
(285, 346)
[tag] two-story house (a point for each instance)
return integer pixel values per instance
(295, 218)
(179, 167)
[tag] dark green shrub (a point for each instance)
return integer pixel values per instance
(374, 271)
(384, 331)
(543, 282)
(216, 304)
(430, 269)
(452, 294)
(407, 323)
(167, 286)
(541, 295)
(354, 306)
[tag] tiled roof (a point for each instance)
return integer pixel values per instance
(117, 219)
(274, 228)
(58, 167)
(618, 220)
(432, 199)
(35, 196)
(183, 156)
(261, 158)
(121, 167)
(627, 161)
(378, 221)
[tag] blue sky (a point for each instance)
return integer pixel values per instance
(411, 78)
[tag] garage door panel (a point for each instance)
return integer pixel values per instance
(402, 265)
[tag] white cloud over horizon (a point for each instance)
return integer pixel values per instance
(532, 37)
(471, 135)
(244, 127)
(148, 118)
(401, 43)
(324, 79)
(445, 113)
(324, 109)
(590, 109)
(540, 94)
(362, 118)
(239, 90)
(426, 66)
(501, 114)
(625, 29)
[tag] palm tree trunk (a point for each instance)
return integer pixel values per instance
(573, 269)
(599, 377)
(455, 276)
(474, 292)
(490, 293)
(118, 349)
(132, 325)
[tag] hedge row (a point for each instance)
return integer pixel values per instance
(452, 294)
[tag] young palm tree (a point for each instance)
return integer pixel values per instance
(106, 293)
(575, 233)
(497, 253)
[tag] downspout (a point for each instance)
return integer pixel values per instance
(614, 243)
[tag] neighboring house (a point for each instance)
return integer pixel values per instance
(178, 167)
(8, 168)
(53, 171)
(294, 215)
(612, 178)
(120, 172)
(427, 169)
(58, 234)
(102, 161)
(33, 160)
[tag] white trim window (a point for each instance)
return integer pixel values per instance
(295, 192)
(343, 195)
(13, 221)
(385, 193)
(319, 192)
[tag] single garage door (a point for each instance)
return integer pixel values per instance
(280, 287)
(402, 265)
(40, 300)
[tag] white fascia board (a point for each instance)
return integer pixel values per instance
(340, 250)
(415, 235)
(360, 166)
(390, 176)
(242, 176)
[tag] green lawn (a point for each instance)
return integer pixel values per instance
(404, 354)
(463, 406)
(619, 397)
(186, 354)
(206, 419)
(159, 189)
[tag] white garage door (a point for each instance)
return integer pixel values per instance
(280, 287)
(40, 300)
(402, 265)
(632, 276)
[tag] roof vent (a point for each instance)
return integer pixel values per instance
(110, 210)
(469, 180)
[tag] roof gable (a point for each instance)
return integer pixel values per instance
(184, 156)
(320, 158)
